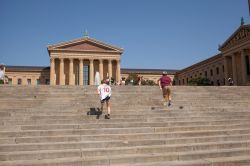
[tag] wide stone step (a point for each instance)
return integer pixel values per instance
(98, 124)
(149, 149)
(220, 161)
(147, 111)
(133, 159)
(76, 138)
(76, 129)
(163, 126)
(82, 125)
(26, 136)
(93, 119)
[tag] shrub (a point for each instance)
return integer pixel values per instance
(199, 82)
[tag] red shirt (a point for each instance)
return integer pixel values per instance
(165, 81)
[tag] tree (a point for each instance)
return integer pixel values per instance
(133, 77)
(148, 82)
(199, 82)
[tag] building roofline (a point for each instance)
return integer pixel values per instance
(201, 62)
(147, 71)
(26, 68)
(123, 70)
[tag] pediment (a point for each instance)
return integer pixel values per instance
(240, 35)
(85, 44)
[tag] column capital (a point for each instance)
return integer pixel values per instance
(52, 60)
(243, 51)
(101, 60)
(71, 59)
(235, 53)
(81, 59)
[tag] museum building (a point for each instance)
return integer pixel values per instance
(76, 62)
(232, 62)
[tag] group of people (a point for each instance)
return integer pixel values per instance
(104, 92)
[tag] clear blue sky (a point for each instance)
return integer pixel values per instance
(164, 34)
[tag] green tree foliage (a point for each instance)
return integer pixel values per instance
(134, 77)
(199, 82)
(148, 82)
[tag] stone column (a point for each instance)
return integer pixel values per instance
(62, 78)
(243, 68)
(226, 69)
(249, 61)
(234, 66)
(118, 71)
(81, 72)
(110, 68)
(52, 72)
(91, 72)
(71, 81)
(101, 68)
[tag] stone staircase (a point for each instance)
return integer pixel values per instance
(58, 126)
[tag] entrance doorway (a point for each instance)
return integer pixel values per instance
(85, 74)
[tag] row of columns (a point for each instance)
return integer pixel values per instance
(71, 68)
(232, 67)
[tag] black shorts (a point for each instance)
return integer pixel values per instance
(106, 99)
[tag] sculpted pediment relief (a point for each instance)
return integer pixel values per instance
(238, 36)
(88, 46)
(85, 44)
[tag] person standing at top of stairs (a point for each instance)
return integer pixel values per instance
(104, 91)
(1, 74)
(164, 83)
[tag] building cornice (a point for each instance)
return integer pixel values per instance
(206, 61)
(123, 70)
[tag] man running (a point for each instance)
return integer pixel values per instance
(164, 83)
(104, 92)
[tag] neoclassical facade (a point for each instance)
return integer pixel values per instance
(233, 62)
(37, 75)
(76, 62)
(211, 68)
(236, 55)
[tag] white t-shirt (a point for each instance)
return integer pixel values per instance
(1, 74)
(104, 90)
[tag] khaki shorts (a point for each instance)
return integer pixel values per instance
(166, 91)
